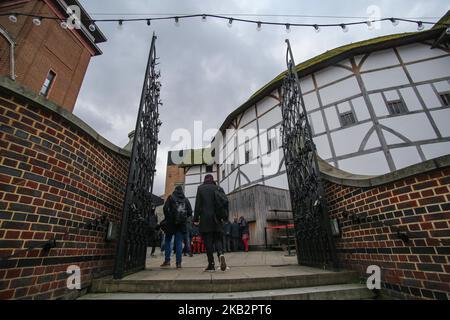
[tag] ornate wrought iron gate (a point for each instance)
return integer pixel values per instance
(315, 245)
(132, 242)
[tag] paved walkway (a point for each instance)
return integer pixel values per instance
(256, 264)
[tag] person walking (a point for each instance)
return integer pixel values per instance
(226, 236)
(187, 250)
(243, 224)
(177, 209)
(154, 231)
(206, 214)
(235, 234)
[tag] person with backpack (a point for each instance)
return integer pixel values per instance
(211, 208)
(177, 209)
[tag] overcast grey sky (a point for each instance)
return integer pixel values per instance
(208, 69)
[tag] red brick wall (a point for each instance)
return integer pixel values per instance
(54, 178)
(419, 206)
(44, 48)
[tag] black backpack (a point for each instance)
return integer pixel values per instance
(221, 204)
(180, 216)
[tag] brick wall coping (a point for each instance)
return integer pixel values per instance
(10, 86)
(342, 177)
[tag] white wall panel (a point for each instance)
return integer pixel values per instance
(195, 178)
(431, 69)
(192, 170)
(392, 138)
(323, 146)
(311, 101)
(344, 107)
(317, 122)
(278, 182)
(359, 105)
(249, 115)
(384, 79)
(271, 162)
(232, 180)
(270, 118)
(442, 120)
(332, 118)
(266, 104)
(341, 139)
(306, 84)
(429, 97)
(339, 91)
(373, 141)
(249, 131)
(410, 98)
(408, 125)
(391, 95)
(253, 171)
(224, 185)
(331, 74)
(418, 51)
(368, 164)
(404, 157)
(380, 59)
(434, 150)
(378, 104)
(442, 86)
(190, 190)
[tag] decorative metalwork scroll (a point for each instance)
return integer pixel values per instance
(315, 245)
(134, 229)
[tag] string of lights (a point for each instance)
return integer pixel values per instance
(37, 20)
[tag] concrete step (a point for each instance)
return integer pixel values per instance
(170, 282)
(328, 292)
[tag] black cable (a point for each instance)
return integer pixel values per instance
(232, 19)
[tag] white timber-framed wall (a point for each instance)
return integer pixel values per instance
(398, 98)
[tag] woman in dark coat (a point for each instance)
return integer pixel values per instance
(171, 228)
(210, 228)
(244, 232)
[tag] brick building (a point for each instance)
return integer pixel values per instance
(47, 58)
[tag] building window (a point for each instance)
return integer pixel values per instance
(209, 169)
(48, 83)
(271, 141)
(445, 97)
(247, 150)
(347, 118)
(396, 107)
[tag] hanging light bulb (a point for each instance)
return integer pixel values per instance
(394, 22)
(120, 24)
(177, 22)
(148, 22)
(288, 27)
(369, 25)
(230, 23)
(316, 28)
(37, 22)
(420, 26)
(344, 27)
(204, 18)
(13, 18)
(92, 27)
(64, 25)
(259, 26)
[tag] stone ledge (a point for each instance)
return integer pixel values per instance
(11, 87)
(338, 176)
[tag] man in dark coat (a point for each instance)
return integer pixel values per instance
(175, 203)
(227, 236)
(235, 234)
(210, 228)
